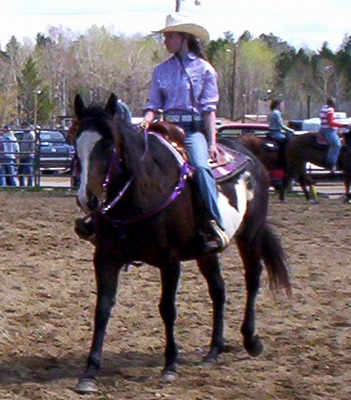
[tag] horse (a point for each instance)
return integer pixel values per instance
(141, 195)
(300, 149)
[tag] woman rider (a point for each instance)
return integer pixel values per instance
(185, 87)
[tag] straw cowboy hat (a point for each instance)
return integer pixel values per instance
(181, 23)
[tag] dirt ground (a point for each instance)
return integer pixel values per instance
(47, 296)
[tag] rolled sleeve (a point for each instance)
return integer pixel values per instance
(210, 95)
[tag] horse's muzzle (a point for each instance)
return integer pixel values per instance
(92, 203)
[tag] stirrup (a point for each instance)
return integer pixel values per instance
(221, 235)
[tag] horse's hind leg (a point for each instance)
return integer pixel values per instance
(305, 181)
(250, 256)
(107, 273)
(210, 269)
(347, 180)
(169, 277)
(285, 184)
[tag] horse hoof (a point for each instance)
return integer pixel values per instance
(169, 376)
(255, 347)
(85, 386)
(313, 201)
(209, 362)
(256, 350)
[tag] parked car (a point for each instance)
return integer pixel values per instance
(313, 124)
(54, 153)
(240, 128)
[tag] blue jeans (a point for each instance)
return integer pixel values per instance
(332, 137)
(8, 172)
(2, 174)
(198, 152)
(26, 168)
(277, 135)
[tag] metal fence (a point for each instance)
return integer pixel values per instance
(40, 158)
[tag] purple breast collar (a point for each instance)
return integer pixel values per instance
(185, 171)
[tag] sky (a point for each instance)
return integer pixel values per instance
(301, 23)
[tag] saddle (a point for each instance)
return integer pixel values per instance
(317, 141)
(272, 144)
(320, 140)
(227, 165)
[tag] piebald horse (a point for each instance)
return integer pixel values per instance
(144, 204)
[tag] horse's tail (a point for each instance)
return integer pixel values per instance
(275, 260)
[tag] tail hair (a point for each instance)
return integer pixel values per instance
(275, 260)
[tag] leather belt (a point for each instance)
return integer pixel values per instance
(182, 118)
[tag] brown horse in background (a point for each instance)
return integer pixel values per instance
(299, 150)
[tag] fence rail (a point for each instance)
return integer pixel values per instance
(40, 158)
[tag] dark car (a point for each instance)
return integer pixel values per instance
(53, 151)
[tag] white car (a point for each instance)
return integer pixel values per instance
(313, 124)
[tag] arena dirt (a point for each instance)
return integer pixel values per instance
(47, 296)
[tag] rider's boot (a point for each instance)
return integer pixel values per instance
(218, 240)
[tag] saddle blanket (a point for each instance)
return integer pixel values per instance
(229, 164)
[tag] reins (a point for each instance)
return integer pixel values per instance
(185, 172)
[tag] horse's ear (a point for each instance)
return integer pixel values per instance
(111, 105)
(79, 106)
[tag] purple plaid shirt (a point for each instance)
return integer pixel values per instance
(171, 88)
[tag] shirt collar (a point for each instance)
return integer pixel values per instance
(189, 56)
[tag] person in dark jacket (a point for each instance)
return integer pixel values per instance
(27, 155)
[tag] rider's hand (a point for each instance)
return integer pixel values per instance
(144, 125)
(214, 152)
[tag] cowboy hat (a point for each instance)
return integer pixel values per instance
(182, 24)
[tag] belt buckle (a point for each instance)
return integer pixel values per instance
(186, 118)
(173, 118)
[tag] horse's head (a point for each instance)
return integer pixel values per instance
(94, 144)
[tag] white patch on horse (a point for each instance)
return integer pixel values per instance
(85, 145)
(232, 217)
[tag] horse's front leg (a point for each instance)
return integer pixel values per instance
(210, 268)
(169, 278)
(106, 274)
